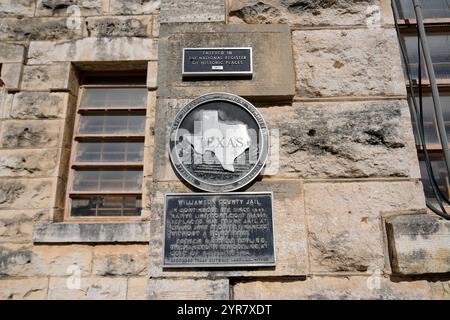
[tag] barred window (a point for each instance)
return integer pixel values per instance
(106, 166)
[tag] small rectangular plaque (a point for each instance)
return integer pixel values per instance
(217, 62)
(218, 230)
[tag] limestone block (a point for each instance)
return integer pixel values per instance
(128, 7)
(29, 163)
(91, 288)
(11, 74)
(6, 101)
(31, 133)
(334, 288)
(174, 11)
(273, 67)
(344, 139)
(130, 260)
(27, 193)
(21, 289)
(298, 13)
(137, 288)
(353, 62)
(419, 244)
(188, 289)
(17, 8)
(155, 28)
(12, 29)
(54, 77)
(129, 26)
(94, 232)
(94, 49)
(39, 105)
(152, 75)
(48, 8)
(344, 222)
(11, 53)
(289, 233)
(17, 225)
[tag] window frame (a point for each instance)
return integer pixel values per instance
(74, 165)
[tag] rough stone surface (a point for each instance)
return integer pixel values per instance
(138, 26)
(419, 244)
(92, 288)
(344, 139)
(289, 227)
(335, 288)
(273, 76)
(328, 63)
(12, 29)
(344, 222)
(10, 53)
(38, 105)
(31, 134)
(128, 7)
(90, 232)
(174, 11)
(17, 8)
(310, 13)
(152, 75)
(57, 76)
(130, 260)
(26, 193)
(11, 75)
(188, 289)
(17, 225)
(29, 163)
(137, 288)
(50, 8)
(20, 289)
(94, 49)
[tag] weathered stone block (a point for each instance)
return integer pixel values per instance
(10, 53)
(20, 289)
(45, 8)
(6, 101)
(173, 11)
(130, 26)
(289, 232)
(39, 29)
(29, 163)
(54, 77)
(152, 75)
(91, 288)
(94, 49)
(31, 134)
(137, 288)
(298, 13)
(328, 63)
(27, 193)
(38, 105)
(72, 232)
(17, 225)
(334, 288)
(344, 139)
(273, 76)
(130, 260)
(344, 222)
(188, 289)
(17, 8)
(419, 244)
(11, 75)
(129, 7)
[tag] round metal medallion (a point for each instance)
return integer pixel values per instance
(219, 142)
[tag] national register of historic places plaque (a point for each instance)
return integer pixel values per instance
(218, 230)
(217, 62)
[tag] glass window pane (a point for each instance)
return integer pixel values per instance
(107, 123)
(431, 9)
(114, 98)
(107, 180)
(97, 205)
(439, 44)
(440, 175)
(110, 152)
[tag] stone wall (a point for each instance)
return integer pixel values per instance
(347, 178)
